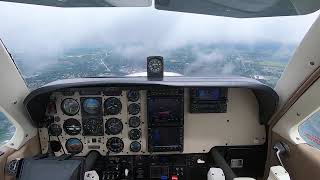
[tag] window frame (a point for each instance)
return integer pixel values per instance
(13, 123)
(303, 123)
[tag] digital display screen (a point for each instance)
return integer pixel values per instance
(165, 110)
(212, 94)
(165, 136)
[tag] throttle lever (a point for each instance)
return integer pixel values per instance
(280, 149)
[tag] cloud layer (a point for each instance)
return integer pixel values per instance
(38, 30)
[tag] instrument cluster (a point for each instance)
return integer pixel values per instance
(108, 121)
(149, 120)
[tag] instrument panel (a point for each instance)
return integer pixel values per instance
(140, 121)
(104, 121)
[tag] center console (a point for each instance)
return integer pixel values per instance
(182, 166)
(165, 120)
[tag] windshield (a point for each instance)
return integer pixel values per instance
(49, 43)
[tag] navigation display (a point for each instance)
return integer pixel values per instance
(165, 120)
(208, 100)
(165, 110)
(209, 94)
(166, 136)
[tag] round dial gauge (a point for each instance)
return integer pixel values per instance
(115, 144)
(134, 108)
(74, 145)
(54, 130)
(155, 65)
(113, 126)
(135, 146)
(134, 134)
(72, 126)
(55, 145)
(134, 121)
(112, 106)
(92, 127)
(133, 95)
(70, 107)
(91, 106)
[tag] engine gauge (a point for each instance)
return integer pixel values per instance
(134, 134)
(91, 106)
(54, 130)
(112, 106)
(133, 95)
(135, 146)
(74, 145)
(70, 107)
(134, 121)
(113, 126)
(115, 144)
(72, 126)
(134, 108)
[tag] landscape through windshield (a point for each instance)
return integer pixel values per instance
(49, 43)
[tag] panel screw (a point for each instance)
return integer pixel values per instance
(311, 63)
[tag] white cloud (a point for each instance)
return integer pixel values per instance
(49, 30)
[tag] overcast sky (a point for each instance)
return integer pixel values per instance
(30, 28)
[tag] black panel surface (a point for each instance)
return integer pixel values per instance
(49, 170)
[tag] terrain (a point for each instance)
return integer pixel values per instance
(264, 62)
